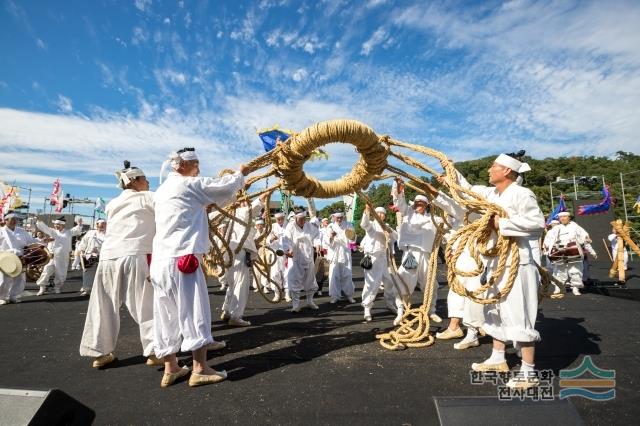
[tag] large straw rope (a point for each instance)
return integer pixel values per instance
(286, 162)
(623, 236)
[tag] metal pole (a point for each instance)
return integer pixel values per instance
(551, 194)
(624, 201)
(29, 203)
(575, 188)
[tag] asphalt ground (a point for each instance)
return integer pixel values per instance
(317, 367)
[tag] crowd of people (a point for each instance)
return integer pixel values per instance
(148, 253)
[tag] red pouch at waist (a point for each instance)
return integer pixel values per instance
(188, 263)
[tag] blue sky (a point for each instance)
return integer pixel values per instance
(87, 84)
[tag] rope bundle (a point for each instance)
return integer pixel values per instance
(286, 161)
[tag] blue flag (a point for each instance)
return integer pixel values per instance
(270, 136)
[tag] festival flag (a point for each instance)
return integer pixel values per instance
(561, 207)
(350, 205)
(100, 205)
(599, 208)
(5, 201)
(271, 136)
(57, 196)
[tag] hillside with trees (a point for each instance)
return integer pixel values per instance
(589, 172)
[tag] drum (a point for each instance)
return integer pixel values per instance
(35, 255)
(565, 253)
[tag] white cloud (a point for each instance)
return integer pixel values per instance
(142, 4)
(371, 4)
(41, 44)
(64, 104)
(299, 74)
(167, 21)
(140, 36)
(378, 37)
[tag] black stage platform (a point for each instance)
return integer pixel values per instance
(322, 367)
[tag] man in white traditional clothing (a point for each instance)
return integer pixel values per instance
(261, 281)
(89, 247)
(238, 277)
(339, 257)
(182, 314)
(278, 271)
(377, 244)
(13, 239)
(300, 241)
(416, 238)
(122, 273)
(565, 245)
(60, 248)
(513, 318)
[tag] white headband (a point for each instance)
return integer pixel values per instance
(301, 214)
(338, 214)
(125, 177)
(10, 216)
(381, 210)
(564, 214)
(58, 222)
(279, 215)
(174, 161)
(100, 221)
(421, 198)
(512, 163)
(259, 222)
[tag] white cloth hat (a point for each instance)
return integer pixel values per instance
(325, 219)
(279, 215)
(421, 198)
(260, 222)
(10, 215)
(101, 221)
(126, 175)
(512, 163)
(381, 210)
(59, 221)
(338, 214)
(301, 214)
(564, 214)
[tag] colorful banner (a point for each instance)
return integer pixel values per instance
(599, 208)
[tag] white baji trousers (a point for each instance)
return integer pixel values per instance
(57, 267)
(12, 288)
(514, 317)
(569, 273)
(374, 277)
(238, 278)
(413, 277)
(340, 280)
(118, 281)
(181, 310)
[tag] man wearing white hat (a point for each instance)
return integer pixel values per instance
(60, 247)
(122, 273)
(300, 241)
(238, 277)
(278, 271)
(416, 238)
(181, 310)
(339, 257)
(89, 247)
(378, 245)
(513, 318)
(568, 269)
(13, 239)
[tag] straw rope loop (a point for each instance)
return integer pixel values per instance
(290, 158)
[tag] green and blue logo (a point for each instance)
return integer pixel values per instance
(572, 384)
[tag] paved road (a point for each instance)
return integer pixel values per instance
(321, 367)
